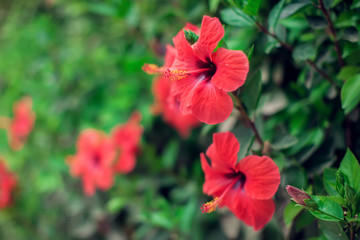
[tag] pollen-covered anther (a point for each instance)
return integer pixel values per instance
(152, 69)
(210, 206)
(176, 74)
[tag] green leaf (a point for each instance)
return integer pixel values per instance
(188, 215)
(316, 22)
(328, 206)
(351, 34)
(274, 15)
(251, 7)
(332, 230)
(304, 220)
(284, 142)
(190, 36)
(170, 154)
(249, 52)
(290, 212)
(350, 96)
(350, 168)
(246, 138)
(293, 8)
(114, 205)
(213, 5)
(347, 72)
(304, 51)
(251, 91)
(294, 176)
(330, 181)
(236, 18)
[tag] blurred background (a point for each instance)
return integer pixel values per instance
(81, 60)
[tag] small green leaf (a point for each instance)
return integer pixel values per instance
(316, 22)
(294, 176)
(293, 8)
(284, 142)
(332, 230)
(330, 181)
(328, 206)
(350, 96)
(251, 7)
(190, 36)
(274, 15)
(246, 139)
(213, 5)
(236, 18)
(351, 169)
(249, 52)
(114, 205)
(290, 212)
(351, 34)
(170, 154)
(304, 51)
(251, 91)
(347, 72)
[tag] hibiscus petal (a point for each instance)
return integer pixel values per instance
(210, 104)
(169, 56)
(215, 182)
(126, 162)
(105, 179)
(185, 59)
(223, 152)
(262, 176)
(192, 28)
(232, 68)
(255, 213)
(88, 184)
(211, 33)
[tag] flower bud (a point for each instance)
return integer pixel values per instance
(297, 195)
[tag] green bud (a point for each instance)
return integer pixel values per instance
(191, 37)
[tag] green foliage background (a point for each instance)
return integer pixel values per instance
(81, 63)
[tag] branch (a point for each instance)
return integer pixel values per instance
(332, 31)
(241, 109)
(290, 48)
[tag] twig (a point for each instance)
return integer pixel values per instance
(264, 30)
(240, 108)
(332, 31)
(290, 48)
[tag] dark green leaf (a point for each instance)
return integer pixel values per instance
(170, 154)
(294, 176)
(246, 138)
(304, 51)
(329, 206)
(332, 230)
(293, 8)
(351, 34)
(236, 18)
(304, 219)
(251, 91)
(213, 5)
(347, 72)
(350, 167)
(251, 7)
(290, 212)
(249, 52)
(330, 181)
(316, 22)
(284, 142)
(274, 15)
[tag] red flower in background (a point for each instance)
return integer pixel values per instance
(93, 161)
(202, 78)
(7, 184)
(245, 187)
(21, 124)
(165, 103)
(126, 138)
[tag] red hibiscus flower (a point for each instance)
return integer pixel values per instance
(245, 187)
(202, 78)
(126, 138)
(7, 184)
(22, 123)
(93, 161)
(165, 103)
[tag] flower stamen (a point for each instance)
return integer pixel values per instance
(210, 206)
(152, 69)
(176, 74)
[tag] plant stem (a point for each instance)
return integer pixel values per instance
(332, 31)
(240, 108)
(264, 30)
(351, 231)
(290, 48)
